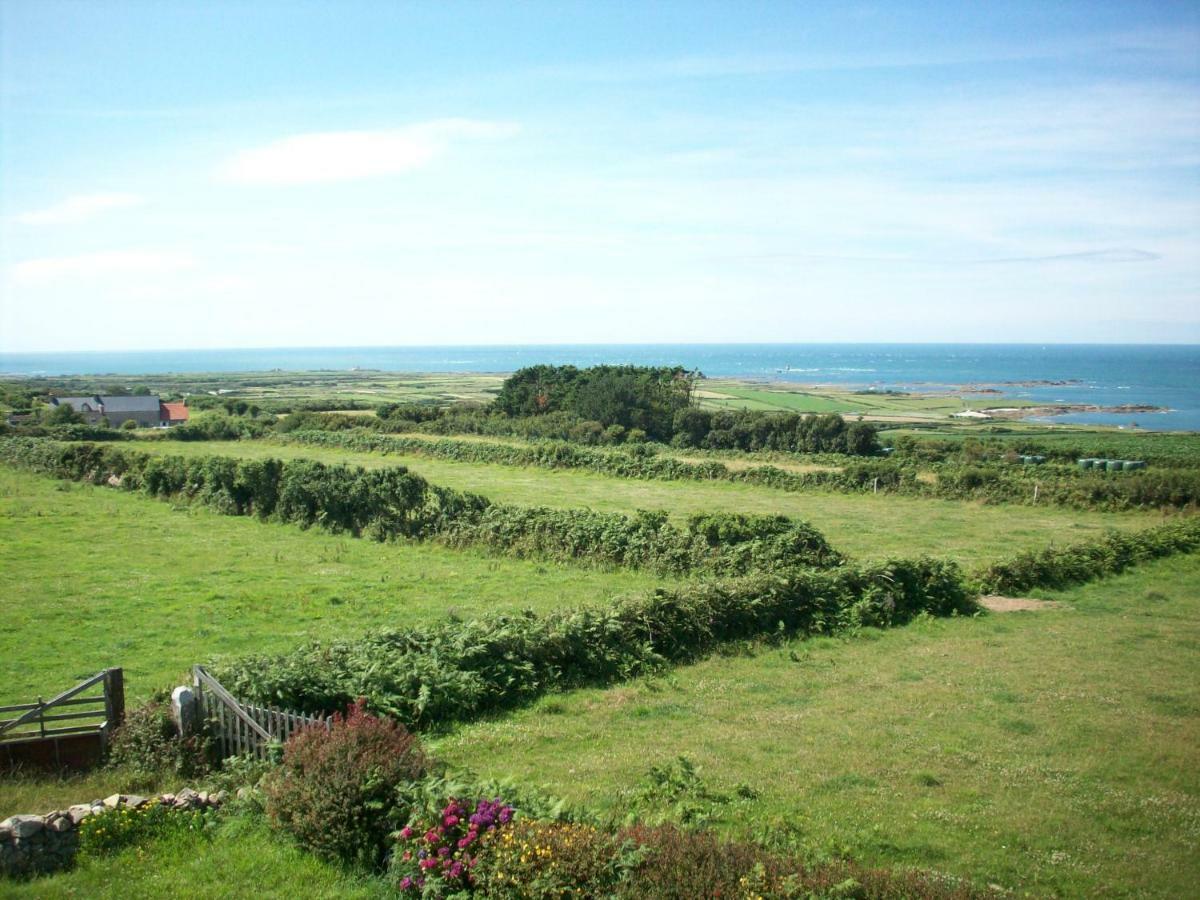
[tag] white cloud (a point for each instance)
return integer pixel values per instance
(92, 265)
(347, 155)
(79, 208)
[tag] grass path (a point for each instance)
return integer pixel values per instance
(1055, 752)
(95, 577)
(864, 525)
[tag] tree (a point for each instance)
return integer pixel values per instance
(63, 414)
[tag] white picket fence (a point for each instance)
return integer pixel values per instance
(241, 729)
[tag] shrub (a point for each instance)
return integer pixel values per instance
(335, 790)
(439, 855)
(552, 860)
(454, 671)
(1056, 567)
(148, 745)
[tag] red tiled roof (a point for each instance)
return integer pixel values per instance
(175, 412)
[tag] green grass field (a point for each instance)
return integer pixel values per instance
(1052, 752)
(867, 526)
(241, 857)
(728, 394)
(95, 577)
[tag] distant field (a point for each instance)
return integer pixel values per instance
(95, 577)
(722, 394)
(1052, 752)
(866, 526)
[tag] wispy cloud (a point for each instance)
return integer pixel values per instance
(91, 265)
(349, 155)
(79, 208)
(1114, 255)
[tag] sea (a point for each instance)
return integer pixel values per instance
(1107, 375)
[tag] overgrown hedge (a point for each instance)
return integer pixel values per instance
(393, 502)
(1078, 563)
(433, 676)
(1000, 483)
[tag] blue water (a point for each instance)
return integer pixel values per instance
(1105, 375)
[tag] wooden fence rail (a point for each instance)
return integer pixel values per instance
(241, 728)
(33, 718)
(71, 729)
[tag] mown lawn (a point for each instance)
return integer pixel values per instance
(95, 577)
(867, 526)
(1054, 752)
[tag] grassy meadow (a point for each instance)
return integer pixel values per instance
(95, 577)
(864, 525)
(1051, 752)
(239, 857)
(731, 394)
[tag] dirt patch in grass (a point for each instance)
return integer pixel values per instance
(996, 603)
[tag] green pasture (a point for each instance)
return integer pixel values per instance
(1056, 753)
(96, 577)
(240, 857)
(722, 394)
(865, 525)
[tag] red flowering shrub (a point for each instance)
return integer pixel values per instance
(335, 790)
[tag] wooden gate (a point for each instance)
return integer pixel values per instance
(240, 729)
(66, 731)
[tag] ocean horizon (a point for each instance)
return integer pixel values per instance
(1161, 375)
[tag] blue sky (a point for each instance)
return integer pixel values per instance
(275, 174)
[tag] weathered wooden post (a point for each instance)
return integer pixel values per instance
(114, 697)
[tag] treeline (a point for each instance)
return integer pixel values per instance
(997, 483)
(395, 503)
(434, 676)
(690, 428)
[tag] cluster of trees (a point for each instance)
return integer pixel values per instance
(634, 397)
(612, 405)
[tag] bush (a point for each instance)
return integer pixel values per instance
(454, 671)
(438, 855)
(147, 745)
(674, 864)
(335, 791)
(1056, 567)
(552, 860)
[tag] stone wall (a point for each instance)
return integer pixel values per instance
(39, 844)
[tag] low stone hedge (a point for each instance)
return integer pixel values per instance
(31, 844)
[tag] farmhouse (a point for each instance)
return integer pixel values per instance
(146, 411)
